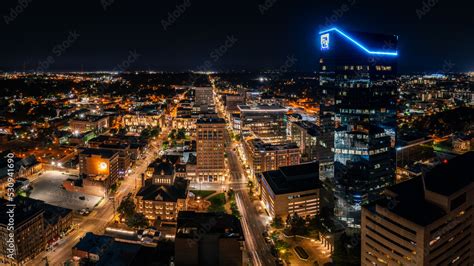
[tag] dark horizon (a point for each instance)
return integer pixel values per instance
(254, 36)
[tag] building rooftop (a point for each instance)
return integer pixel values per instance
(89, 118)
(192, 225)
(93, 243)
(311, 128)
(25, 209)
(162, 167)
(116, 146)
(52, 213)
(210, 120)
(169, 193)
(407, 199)
(450, 177)
(290, 179)
(262, 108)
(258, 144)
(119, 254)
(102, 152)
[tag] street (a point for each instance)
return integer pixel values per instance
(252, 225)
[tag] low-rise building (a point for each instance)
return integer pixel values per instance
(99, 165)
(92, 247)
(263, 156)
(209, 239)
(162, 195)
(21, 234)
(291, 189)
(33, 225)
(140, 120)
(87, 123)
(57, 221)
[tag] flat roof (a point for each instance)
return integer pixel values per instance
(295, 178)
(102, 152)
(262, 146)
(89, 118)
(192, 224)
(452, 176)
(262, 108)
(210, 120)
(25, 209)
(409, 196)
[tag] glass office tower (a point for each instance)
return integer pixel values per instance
(358, 77)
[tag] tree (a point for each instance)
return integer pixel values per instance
(126, 208)
(347, 250)
(122, 131)
(137, 220)
(172, 134)
(145, 134)
(297, 225)
(277, 222)
(155, 131)
(181, 134)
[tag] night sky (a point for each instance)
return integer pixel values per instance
(251, 35)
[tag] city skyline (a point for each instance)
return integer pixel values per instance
(263, 133)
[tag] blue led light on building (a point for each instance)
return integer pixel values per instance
(325, 44)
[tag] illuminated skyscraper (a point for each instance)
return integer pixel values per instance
(358, 75)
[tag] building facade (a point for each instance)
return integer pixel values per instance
(162, 202)
(263, 157)
(99, 165)
(426, 220)
(291, 190)
(89, 123)
(266, 122)
(139, 121)
(305, 134)
(210, 165)
(358, 71)
(28, 230)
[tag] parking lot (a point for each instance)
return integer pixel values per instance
(48, 188)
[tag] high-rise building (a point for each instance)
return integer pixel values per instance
(203, 98)
(358, 71)
(326, 143)
(266, 122)
(232, 102)
(305, 134)
(210, 149)
(427, 220)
